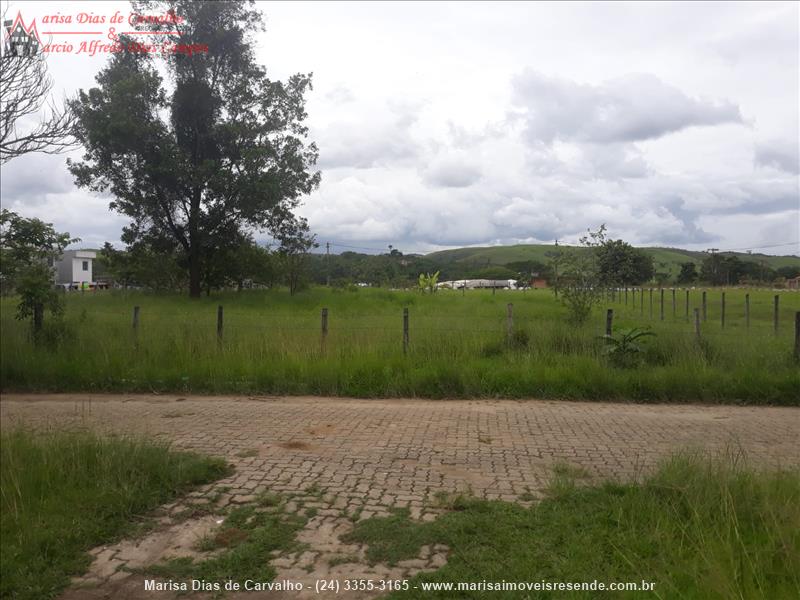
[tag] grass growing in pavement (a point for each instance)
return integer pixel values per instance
(698, 528)
(271, 344)
(65, 493)
(244, 541)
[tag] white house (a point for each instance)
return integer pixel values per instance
(74, 267)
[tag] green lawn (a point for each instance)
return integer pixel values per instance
(703, 529)
(272, 344)
(65, 493)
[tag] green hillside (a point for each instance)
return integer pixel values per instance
(666, 259)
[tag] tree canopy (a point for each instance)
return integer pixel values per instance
(622, 264)
(198, 164)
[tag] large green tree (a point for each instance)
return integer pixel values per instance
(622, 264)
(220, 151)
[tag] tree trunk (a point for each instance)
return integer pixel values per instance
(38, 319)
(195, 272)
(195, 288)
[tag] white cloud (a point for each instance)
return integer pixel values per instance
(442, 125)
(627, 109)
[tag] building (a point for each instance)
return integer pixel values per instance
(793, 283)
(477, 284)
(74, 269)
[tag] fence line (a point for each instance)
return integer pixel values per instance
(509, 323)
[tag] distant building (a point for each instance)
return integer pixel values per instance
(74, 268)
(476, 284)
(793, 283)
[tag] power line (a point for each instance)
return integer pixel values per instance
(356, 247)
(761, 247)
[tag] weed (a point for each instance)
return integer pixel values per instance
(266, 498)
(624, 349)
(250, 452)
(342, 559)
(698, 528)
(64, 493)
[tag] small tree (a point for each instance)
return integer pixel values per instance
(27, 249)
(427, 282)
(582, 282)
(688, 273)
(296, 242)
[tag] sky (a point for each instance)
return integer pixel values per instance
(458, 124)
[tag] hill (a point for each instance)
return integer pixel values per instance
(666, 259)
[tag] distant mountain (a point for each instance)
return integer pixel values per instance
(666, 259)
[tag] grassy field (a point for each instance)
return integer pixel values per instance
(698, 528)
(65, 493)
(272, 344)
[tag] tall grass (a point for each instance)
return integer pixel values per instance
(272, 344)
(699, 528)
(65, 493)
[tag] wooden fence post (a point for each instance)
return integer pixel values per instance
(747, 310)
(674, 306)
(697, 322)
(324, 327)
(135, 319)
(705, 306)
(509, 321)
(633, 298)
(219, 323)
(662, 304)
(610, 320)
(797, 336)
(687, 304)
(405, 331)
(775, 314)
(722, 316)
(641, 301)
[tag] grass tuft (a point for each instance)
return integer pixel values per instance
(65, 493)
(698, 528)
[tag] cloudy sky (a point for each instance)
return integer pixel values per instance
(452, 124)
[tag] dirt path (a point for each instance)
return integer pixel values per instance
(367, 456)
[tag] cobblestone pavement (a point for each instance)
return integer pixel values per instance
(366, 456)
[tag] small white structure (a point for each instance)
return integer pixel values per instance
(477, 284)
(74, 268)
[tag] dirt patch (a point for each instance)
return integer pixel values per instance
(294, 445)
(321, 430)
(327, 557)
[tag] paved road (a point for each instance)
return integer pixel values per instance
(401, 452)
(365, 456)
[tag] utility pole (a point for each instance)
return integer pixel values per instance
(714, 263)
